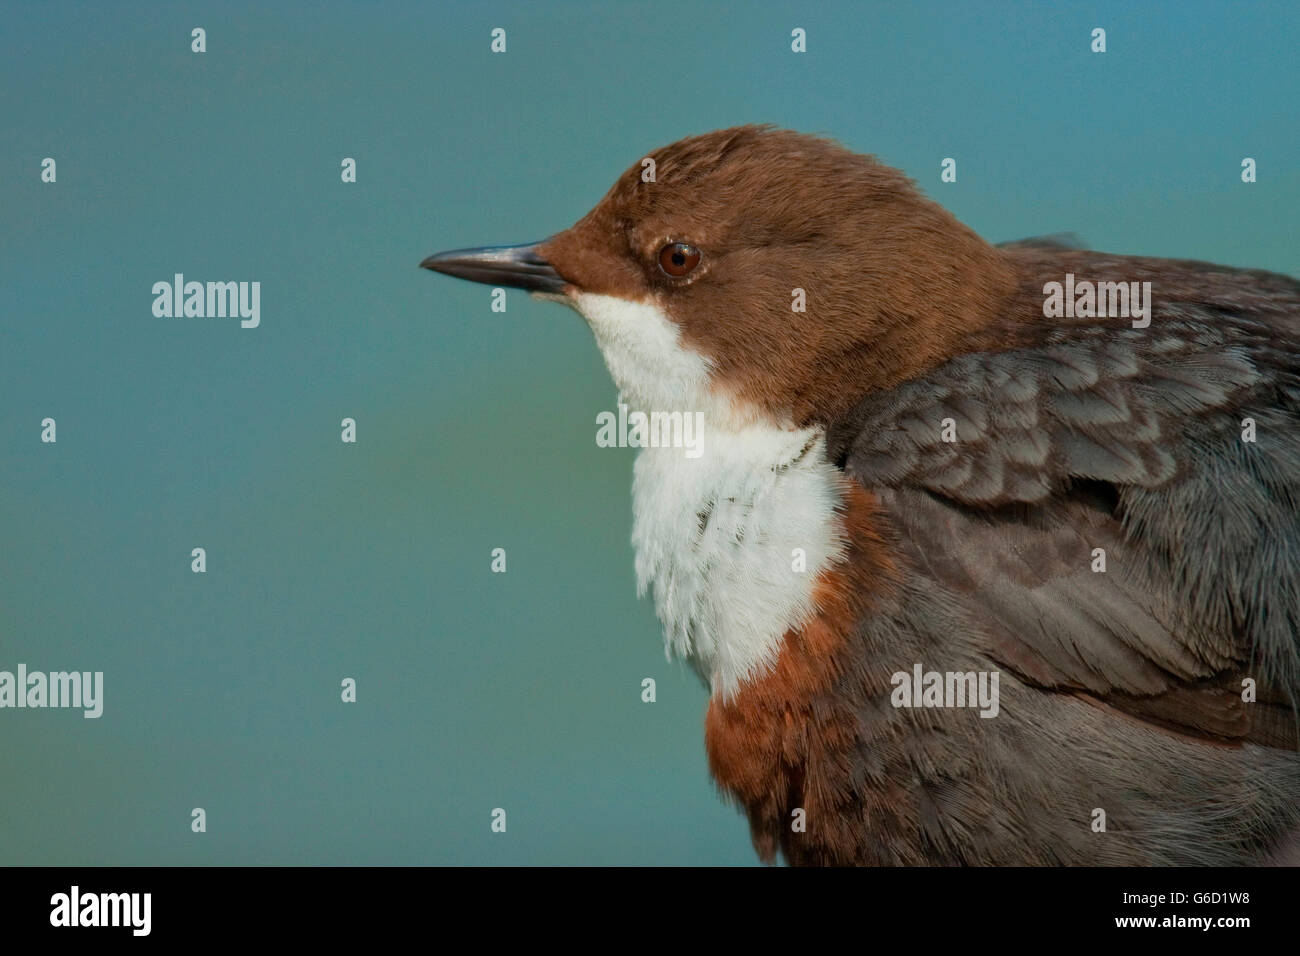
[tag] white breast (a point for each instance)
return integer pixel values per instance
(732, 541)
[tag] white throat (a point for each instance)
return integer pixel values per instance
(732, 541)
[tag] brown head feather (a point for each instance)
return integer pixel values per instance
(894, 284)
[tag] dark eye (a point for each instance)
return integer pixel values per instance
(678, 258)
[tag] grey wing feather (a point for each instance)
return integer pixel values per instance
(1006, 471)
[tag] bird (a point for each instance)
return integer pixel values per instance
(931, 469)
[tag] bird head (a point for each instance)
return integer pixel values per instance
(758, 274)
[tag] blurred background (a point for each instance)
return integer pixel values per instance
(476, 430)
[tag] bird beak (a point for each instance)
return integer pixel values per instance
(520, 267)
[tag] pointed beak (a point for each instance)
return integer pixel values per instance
(519, 267)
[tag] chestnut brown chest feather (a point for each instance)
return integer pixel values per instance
(783, 743)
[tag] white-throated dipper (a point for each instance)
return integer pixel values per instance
(923, 482)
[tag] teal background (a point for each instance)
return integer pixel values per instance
(476, 429)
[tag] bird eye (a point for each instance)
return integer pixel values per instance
(678, 258)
